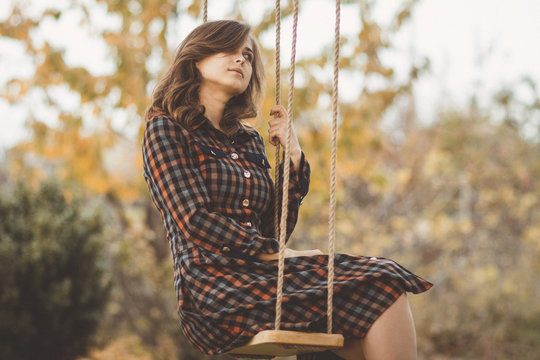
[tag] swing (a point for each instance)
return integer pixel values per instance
(271, 343)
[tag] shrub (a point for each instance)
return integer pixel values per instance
(52, 289)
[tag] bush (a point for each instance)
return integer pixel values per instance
(52, 292)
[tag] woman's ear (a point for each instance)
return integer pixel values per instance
(196, 68)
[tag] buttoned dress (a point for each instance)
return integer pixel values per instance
(215, 195)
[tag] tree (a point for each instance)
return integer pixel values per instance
(52, 289)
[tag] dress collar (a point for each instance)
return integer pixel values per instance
(204, 124)
(198, 121)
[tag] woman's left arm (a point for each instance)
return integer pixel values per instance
(299, 174)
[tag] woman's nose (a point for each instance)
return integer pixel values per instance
(240, 59)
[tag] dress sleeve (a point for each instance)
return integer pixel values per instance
(182, 195)
(298, 189)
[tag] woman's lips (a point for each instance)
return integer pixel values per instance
(238, 70)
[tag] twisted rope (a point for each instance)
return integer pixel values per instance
(286, 169)
(205, 10)
(332, 209)
(278, 101)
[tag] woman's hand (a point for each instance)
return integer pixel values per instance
(290, 253)
(277, 133)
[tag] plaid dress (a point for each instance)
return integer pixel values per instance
(216, 198)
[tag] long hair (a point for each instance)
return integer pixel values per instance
(176, 94)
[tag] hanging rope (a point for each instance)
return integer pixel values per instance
(278, 102)
(332, 209)
(285, 195)
(205, 11)
(286, 169)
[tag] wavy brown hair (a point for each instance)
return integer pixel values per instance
(176, 94)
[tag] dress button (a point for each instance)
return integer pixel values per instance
(245, 203)
(226, 249)
(247, 174)
(234, 156)
(249, 224)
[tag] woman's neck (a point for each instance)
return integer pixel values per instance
(214, 103)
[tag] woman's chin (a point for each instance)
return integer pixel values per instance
(238, 91)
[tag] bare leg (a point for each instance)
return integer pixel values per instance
(391, 337)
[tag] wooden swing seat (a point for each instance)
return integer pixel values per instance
(271, 343)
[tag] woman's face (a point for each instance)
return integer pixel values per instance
(229, 73)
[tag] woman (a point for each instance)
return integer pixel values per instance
(209, 177)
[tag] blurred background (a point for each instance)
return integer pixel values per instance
(438, 165)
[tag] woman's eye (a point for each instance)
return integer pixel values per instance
(248, 57)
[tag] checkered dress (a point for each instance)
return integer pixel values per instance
(215, 195)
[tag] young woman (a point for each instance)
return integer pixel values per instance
(209, 177)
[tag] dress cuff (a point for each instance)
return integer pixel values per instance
(299, 179)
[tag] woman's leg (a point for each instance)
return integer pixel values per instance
(391, 337)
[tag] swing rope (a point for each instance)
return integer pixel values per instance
(286, 169)
(205, 11)
(278, 102)
(285, 193)
(332, 206)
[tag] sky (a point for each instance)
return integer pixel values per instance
(474, 46)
